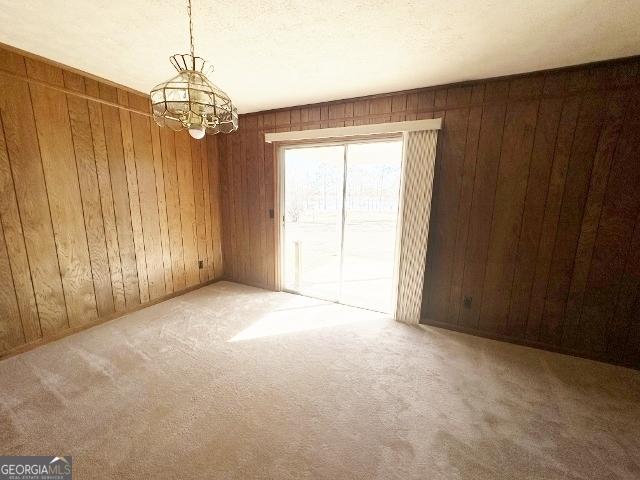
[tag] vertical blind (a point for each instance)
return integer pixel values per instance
(417, 186)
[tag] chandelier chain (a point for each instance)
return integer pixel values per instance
(191, 33)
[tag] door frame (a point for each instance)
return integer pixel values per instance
(279, 190)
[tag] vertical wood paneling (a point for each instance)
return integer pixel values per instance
(148, 202)
(398, 109)
(336, 111)
(162, 207)
(623, 340)
(573, 200)
(464, 213)
(614, 238)
(198, 198)
(226, 205)
(533, 214)
(213, 161)
(592, 214)
(134, 196)
(187, 207)
(17, 252)
(534, 217)
(63, 190)
(90, 192)
(553, 203)
(446, 195)
(513, 175)
(106, 195)
(360, 112)
(266, 214)
(241, 257)
(167, 141)
(11, 333)
(526, 232)
(89, 196)
(206, 192)
(482, 210)
(252, 193)
(118, 172)
(31, 194)
(380, 108)
(242, 262)
(269, 172)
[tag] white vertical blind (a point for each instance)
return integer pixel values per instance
(417, 187)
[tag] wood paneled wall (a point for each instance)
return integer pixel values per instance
(101, 211)
(535, 214)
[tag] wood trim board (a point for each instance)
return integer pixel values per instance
(353, 131)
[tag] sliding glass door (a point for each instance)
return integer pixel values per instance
(314, 183)
(340, 214)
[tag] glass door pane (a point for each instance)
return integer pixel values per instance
(313, 193)
(372, 195)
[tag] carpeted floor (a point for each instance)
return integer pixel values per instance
(233, 382)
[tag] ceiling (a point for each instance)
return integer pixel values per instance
(271, 54)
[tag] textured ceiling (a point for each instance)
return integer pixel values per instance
(271, 54)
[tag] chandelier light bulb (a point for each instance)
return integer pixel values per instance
(196, 131)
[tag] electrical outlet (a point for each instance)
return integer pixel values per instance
(467, 302)
(200, 264)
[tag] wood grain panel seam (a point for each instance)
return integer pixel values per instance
(555, 240)
(113, 206)
(546, 202)
(26, 252)
(473, 188)
(102, 207)
(55, 240)
(619, 288)
(457, 213)
(618, 295)
(184, 263)
(133, 191)
(86, 235)
(563, 318)
(158, 204)
(194, 174)
(15, 295)
(93, 148)
(144, 243)
(486, 259)
(522, 223)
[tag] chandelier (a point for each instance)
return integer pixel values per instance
(189, 100)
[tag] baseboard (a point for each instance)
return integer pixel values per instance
(249, 283)
(70, 331)
(527, 343)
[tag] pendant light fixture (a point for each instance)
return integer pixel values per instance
(189, 100)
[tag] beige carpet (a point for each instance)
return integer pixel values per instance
(233, 382)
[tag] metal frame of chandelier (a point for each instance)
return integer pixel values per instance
(189, 100)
